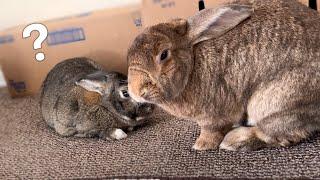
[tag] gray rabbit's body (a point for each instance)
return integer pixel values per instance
(72, 104)
(266, 68)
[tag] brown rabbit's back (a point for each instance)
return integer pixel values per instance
(281, 34)
(266, 69)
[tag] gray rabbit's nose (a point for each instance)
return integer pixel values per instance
(140, 105)
(140, 118)
(144, 108)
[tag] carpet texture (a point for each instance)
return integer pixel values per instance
(29, 149)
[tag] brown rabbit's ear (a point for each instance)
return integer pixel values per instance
(212, 23)
(180, 26)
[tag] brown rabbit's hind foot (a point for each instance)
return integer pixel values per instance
(244, 139)
(291, 139)
(252, 138)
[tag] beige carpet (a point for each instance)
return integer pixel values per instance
(29, 149)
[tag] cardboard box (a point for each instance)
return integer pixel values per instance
(306, 2)
(157, 11)
(103, 36)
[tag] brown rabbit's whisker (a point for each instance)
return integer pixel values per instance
(163, 100)
(135, 64)
(153, 93)
(137, 69)
(169, 70)
(154, 98)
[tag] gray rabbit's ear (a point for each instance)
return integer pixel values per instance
(92, 85)
(95, 82)
(212, 23)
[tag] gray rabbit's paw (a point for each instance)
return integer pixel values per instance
(242, 139)
(117, 134)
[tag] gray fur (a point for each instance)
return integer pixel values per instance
(80, 99)
(266, 67)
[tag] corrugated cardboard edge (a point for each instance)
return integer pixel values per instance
(82, 16)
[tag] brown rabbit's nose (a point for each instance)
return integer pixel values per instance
(143, 92)
(136, 86)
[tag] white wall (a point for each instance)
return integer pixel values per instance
(15, 12)
(2, 83)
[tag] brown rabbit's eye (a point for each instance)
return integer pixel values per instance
(164, 55)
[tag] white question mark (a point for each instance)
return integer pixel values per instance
(43, 33)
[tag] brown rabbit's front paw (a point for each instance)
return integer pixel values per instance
(204, 144)
(242, 139)
(207, 141)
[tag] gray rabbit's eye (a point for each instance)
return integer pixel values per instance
(124, 94)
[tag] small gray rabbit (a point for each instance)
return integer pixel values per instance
(258, 59)
(80, 99)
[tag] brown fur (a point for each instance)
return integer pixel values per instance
(266, 67)
(91, 98)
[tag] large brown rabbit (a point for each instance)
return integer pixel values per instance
(259, 60)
